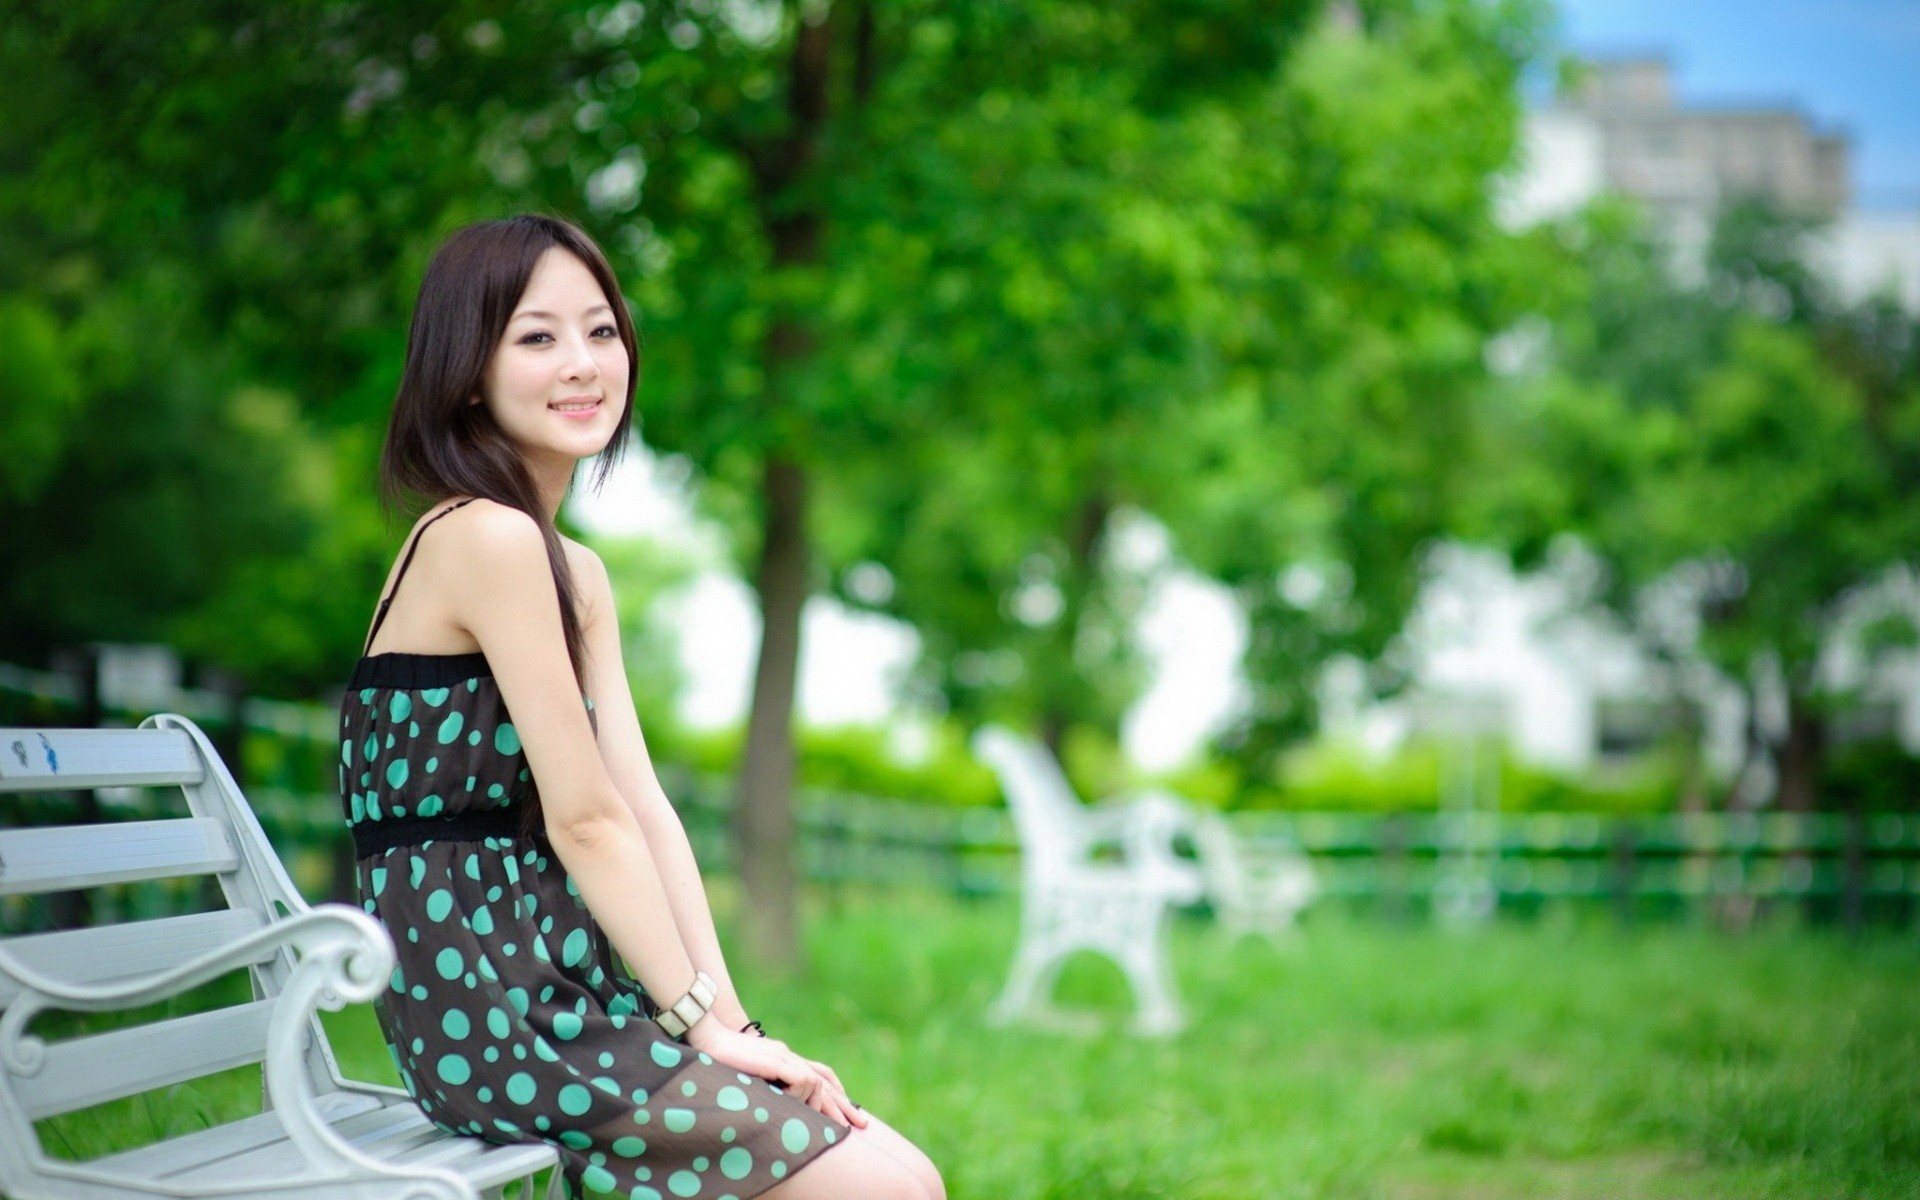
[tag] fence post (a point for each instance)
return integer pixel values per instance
(1393, 866)
(1626, 868)
(1853, 887)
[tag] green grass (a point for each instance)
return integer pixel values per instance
(1561, 1058)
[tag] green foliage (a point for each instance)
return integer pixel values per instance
(1330, 776)
(1747, 437)
(1877, 775)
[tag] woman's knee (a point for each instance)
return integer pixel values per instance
(855, 1169)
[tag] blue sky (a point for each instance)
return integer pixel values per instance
(1849, 64)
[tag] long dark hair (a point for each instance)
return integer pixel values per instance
(440, 445)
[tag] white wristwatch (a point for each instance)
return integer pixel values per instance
(680, 1016)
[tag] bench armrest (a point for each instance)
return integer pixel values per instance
(362, 946)
(1145, 824)
(345, 956)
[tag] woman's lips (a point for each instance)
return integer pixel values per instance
(578, 410)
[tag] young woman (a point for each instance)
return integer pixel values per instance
(559, 977)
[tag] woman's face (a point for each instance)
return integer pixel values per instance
(557, 382)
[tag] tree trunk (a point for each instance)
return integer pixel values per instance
(763, 820)
(1059, 706)
(1801, 757)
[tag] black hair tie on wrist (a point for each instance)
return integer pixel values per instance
(755, 1027)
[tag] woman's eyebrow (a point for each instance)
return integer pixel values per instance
(547, 316)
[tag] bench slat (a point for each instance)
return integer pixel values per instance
(128, 951)
(84, 1071)
(62, 857)
(40, 760)
(161, 1160)
(258, 1147)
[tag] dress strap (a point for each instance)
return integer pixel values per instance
(406, 562)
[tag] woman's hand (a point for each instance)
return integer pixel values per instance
(770, 1058)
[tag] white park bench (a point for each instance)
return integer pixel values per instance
(319, 1135)
(1073, 899)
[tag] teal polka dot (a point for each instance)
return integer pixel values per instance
(399, 706)
(506, 739)
(679, 1120)
(795, 1135)
(518, 998)
(416, 870)
(473, 739)
(413, 729)
(689, 1088)
(599, 1179)
(359, 807)
(760, 1115)
(449, 964)
(632, 1147)
(576, 1139)
(482, 922)
(372, 747)
(346, 752)
(683, 1183)
(666, 1055)
(606, 1058)
(397, 772)
(574, 950)
(608, 1085)
(575, 1100)
(435, 697)
(450, 727)
(643, 1192)
(431, 806)
(455, 1024)
(494, 792)
(433, 764)
(521, 1088)
(498, 1023)
(439, 904)
(453, 1069)
(732, 1099)
(736, 1163)
(777, 1169)
(566, 1026)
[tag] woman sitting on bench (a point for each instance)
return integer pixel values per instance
(508, 826)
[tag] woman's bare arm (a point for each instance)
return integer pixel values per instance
(623, 748)
(516, 620)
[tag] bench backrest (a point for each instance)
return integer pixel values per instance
(1047, 816)
(220, 838)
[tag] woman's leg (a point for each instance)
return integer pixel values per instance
(893, 1143)
(857, 1167)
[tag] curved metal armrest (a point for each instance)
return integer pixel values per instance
(1146, 822)
(312, 931)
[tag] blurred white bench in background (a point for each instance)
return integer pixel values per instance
(1074, 899)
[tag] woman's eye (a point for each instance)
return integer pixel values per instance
(529, 339)
(608, 330)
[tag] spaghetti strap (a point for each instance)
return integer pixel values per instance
(406, 562)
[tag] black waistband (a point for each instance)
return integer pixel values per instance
(377, 837)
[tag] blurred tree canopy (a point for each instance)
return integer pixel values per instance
(1744, 438)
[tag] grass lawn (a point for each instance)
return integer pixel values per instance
(1559, 1058)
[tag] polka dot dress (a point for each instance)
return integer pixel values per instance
(508, 1016)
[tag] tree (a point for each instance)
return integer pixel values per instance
(1752, 432)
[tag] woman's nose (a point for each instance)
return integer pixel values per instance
(580, 362)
